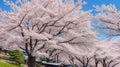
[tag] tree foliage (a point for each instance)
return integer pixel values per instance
(38, 25)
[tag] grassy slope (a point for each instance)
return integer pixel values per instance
(5, 57)
(4, 64)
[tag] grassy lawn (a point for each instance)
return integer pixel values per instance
(4, 64)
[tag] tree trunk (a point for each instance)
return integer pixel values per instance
(31, 61)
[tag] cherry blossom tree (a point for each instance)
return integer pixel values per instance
(107, 54)
(36, 25)
(108, 18)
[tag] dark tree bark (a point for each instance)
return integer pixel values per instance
(108, 63)
(84, 60)
(31, 61)
(97, 61)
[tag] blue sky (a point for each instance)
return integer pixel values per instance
(86, 7)
(3, 6)
(90, 3)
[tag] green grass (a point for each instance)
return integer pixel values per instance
(4, 64)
